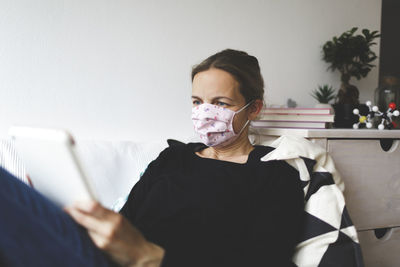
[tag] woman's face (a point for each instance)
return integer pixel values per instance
(218, 87)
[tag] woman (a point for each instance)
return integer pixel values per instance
(212, 203)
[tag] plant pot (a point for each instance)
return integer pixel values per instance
(344, 117)
(322, 105)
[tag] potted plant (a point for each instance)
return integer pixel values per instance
(352, 56)
(324, 94)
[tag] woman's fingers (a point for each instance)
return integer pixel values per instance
(111, 232)
(101, 231)
(84, 219)
(92, 207)
(99, 240)
(92, 223)
(99, 220)
(107, 234)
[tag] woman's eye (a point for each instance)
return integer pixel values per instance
(196, 102)
(222, 104)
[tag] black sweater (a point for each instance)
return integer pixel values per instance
(207, 212)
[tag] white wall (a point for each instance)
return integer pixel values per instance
(109, 69)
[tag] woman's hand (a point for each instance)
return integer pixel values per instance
(115, 235)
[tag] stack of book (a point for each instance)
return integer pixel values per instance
(297, 118)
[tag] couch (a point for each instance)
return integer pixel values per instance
(116, 166)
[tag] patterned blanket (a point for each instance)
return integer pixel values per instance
(329, 237)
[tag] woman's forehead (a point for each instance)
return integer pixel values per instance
(217, 92)
(215, 82)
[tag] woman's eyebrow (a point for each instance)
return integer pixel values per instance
(219, 97)
(215, 98)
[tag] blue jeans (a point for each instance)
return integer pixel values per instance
(35, 232)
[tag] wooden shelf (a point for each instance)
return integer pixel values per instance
(329, 133)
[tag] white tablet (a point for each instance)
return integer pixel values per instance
(52, 164)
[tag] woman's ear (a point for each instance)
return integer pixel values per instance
(255, 109)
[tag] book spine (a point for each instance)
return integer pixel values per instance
(292, 121)
(297, 114)
(297, 110)
(287, 127)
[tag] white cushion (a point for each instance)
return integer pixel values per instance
(10, 161)
(114, 167)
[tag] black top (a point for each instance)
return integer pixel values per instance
(207, 212)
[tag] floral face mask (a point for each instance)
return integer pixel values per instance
(214, 124)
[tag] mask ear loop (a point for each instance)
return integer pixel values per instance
(244, 126)
(247, 122)
(244, 107)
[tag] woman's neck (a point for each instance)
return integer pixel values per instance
(238, 151)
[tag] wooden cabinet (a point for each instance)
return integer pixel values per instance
(372, 181)
(368, 161)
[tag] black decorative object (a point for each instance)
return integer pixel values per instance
(344, 116)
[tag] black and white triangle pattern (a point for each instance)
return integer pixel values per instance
(329, 237)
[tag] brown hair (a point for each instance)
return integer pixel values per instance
(243, 67)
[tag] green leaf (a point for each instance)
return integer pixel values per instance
(353, 30)
(323, 94)
(350, 52)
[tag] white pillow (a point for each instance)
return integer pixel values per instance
(115, 167)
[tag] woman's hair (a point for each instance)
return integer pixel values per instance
(243, 67)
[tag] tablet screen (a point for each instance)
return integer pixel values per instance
(52, 164)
